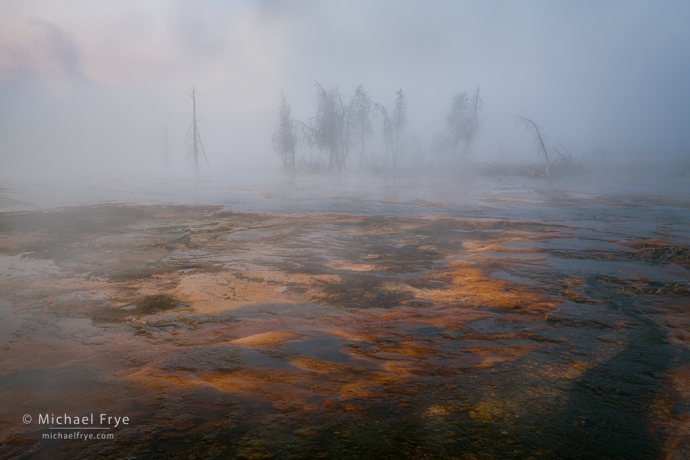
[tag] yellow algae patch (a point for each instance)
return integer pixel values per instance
(454, 319)
(276, 385)
(348, 336)
(490, 356)
(461, 263)
(470, 285)
(311, 364)
(680, 379)
(436, 411)
(410, 350)
(488, 360)
(356, 390)
(494, 409)
(481, 246)
(561, 371)
(428, 247)
(266, 339)
(213, 293)
(402, 369)
(344, 265)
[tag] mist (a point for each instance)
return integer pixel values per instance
(85, 89)
(344, 229)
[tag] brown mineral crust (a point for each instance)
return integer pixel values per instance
(159, 288)
(470, 286)
(266, 339)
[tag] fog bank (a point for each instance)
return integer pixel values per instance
(86, 89)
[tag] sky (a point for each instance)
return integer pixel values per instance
(87, 87)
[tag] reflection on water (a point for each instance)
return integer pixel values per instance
(383, 330)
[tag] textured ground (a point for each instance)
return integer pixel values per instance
(306, 335)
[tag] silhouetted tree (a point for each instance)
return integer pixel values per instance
(165, 150)
(361, 111)
(463, 122)
(285, 138)
(457, 121)
(398, 126)
(474, 124)
(538, 138)
(194, 144)
(387, 133)
(331, 129)
(394, 129)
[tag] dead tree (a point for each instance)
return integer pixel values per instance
(473, 122)
(539, 140)
(360, 109)
(398, 125)
(387, 133)
(285, 138)
(330, 130)
(165, 149)
(327, 126)
(457, 122)
(394, 130)
(566, 156)
(194, 144)
(463, 123)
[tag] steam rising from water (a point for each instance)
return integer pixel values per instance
(87, 90)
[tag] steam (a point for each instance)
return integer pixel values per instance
(86, 91)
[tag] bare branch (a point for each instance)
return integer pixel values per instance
(538, 139)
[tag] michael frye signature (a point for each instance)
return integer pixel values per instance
(91, 421)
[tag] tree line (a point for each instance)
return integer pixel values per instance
(341, 126)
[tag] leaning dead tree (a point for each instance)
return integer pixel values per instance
(538, 138)
(194, 144)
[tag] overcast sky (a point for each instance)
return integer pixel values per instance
(87, 86)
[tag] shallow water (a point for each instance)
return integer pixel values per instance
(516, 324)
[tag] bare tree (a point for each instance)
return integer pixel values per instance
(463, 122)
(474, 123)
(566, 156)
(539, 140)
(387, 133)
(328, 126)
(394, 129)
(361, 111)
(285, 138)
(165, 150)
(194, 144)
(398, 125)
(331, 129)
(458, 121)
